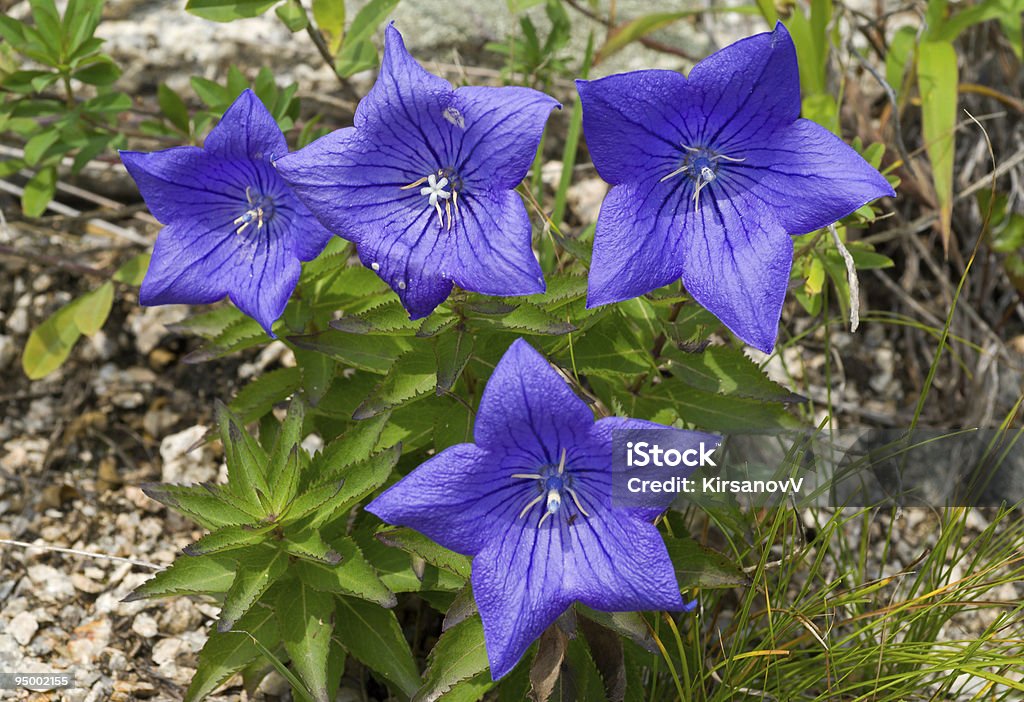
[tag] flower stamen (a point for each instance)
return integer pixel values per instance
(435, 192)
(552, 484)
(255, 212)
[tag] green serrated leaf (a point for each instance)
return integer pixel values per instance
(246, 459)
(307, 543)
(413, 375)
(356, 444)
(373, 354)
(207, 506)
(226, 653)
(189, 575)
(388, 318)
(306, 622)
(261, 395)
(352, 576)
(460, 654)
(257, 570)
(372, 635)
(360, 479)
(714, 412)
(727, 371)
(420, 545)
(228, 538)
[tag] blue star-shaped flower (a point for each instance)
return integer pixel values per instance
(232, 225)
(423, 183)
(530, 500)
(711, 175)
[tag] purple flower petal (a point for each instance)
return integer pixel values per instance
(485, 257)
(637, 245)
(808, 177)
(736, 262)
(185, 265)
(633, 123)
(261, 284)
(501, 128)
(620, 564)
(454, 498)
(527, 409)
(167, 181)
(406, 108)
(247, 131)
(518, 587)
(746, 90)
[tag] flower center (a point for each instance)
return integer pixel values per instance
(435, 192)
(700, 163)
(261, 207)
(552, 482)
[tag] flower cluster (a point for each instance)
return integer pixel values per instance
(711, 174)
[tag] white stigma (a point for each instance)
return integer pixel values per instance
(255, 212)
(435, 192)
(551, 493)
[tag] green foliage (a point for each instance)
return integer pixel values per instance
(38, 61)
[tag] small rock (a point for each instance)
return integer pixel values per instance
(17, 323)
(179, 616)
(586, 197)
(53, 584)
(183, 466)
(159, 419)
(8, 351)
(149, 324)
(81, 582)
(23, 627)
(145, 626)
(89, 640)
(166, 651)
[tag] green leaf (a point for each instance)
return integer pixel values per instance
(937, 80)
(433, 553)
(132, 271)
(897, 59)
(699, 566)
(173, 107)
(50, 343)
(372, 635)
(294, 17)
(624, 34)
(228, 538)
(80, 21)
(413, 375)
(609, 348)
(38, 192)
(388, 318)
(355, 56)
(329, 16)
(261, 395)
(246, 460)
(188, 575)
(213, 95)
(452, 352)
(93, 308)
(309, 545)
(632, 625)
(360, 480)
(459, 654)
(528, 318)
(226, 653)
(37, 145)
(355, 445)
(109, 102)
(374, 354)
(207, 505)
(714, 412)
(727, 371)
(100, 72)
(352, 576)
(306, 622)
(258, 569)
(228, 10)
